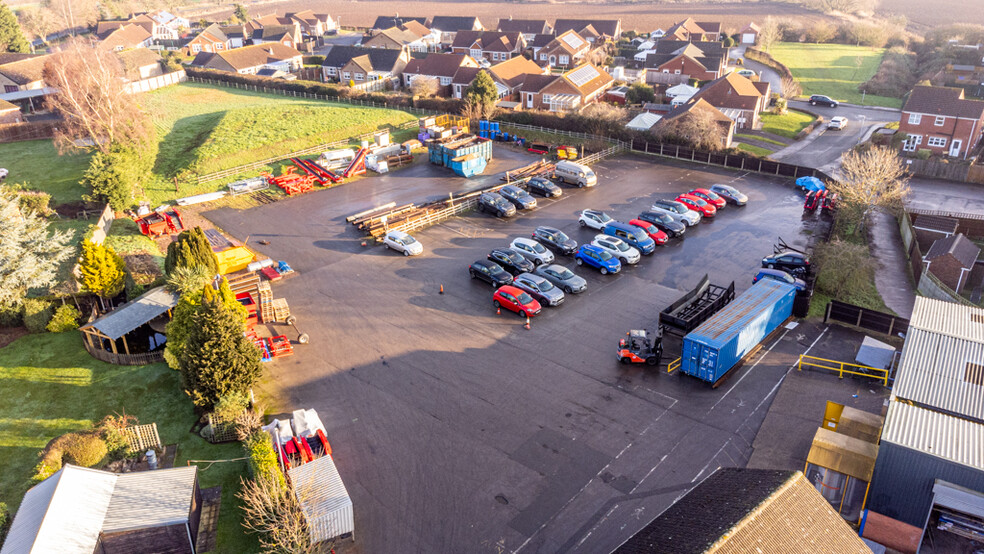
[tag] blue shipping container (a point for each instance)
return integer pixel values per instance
(718, 344)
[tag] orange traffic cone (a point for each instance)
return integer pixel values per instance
(498, 311)
(527, 326)
(442, 290)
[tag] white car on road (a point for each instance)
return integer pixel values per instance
(594, 219)
(618, 248)
(838, 123)
(402, 242)
(532, 251)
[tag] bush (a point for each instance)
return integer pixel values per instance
(111, 430)
(86, 450)
(845, 269)
(66, 318)
(261, 457)
(33, 201)
(230, 405)
(5, 521)
(11, 315)
(112, 175)
(37, 314)
(924, 153)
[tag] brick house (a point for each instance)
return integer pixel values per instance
(313, 24)
(449, 25)
(951, 260)
(128, 36)
(440, 67)
(750, 34)
(695, 31)
(568, 92)
(704, 61)
(387, 22)
(591, 29)
(360, 64)
(941, 120)
(9, 113)
(739, 97)
(491, 45)
(397, 38)
(248, 60)
(508, 77)
(151, 22)
(21, 71)
(211, 39)
(288, 35)
(697, 106)
(140, 63)
(567, 50)
(529, 28)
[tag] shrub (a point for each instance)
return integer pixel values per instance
(66, 318)
(845, 269)
(230, 405)
(112, 175)
(37, 314)
(86, 450)
(33, 201)
(924, 153)
(261, 457)
(11, 315)
(111, 430)
(5, 521)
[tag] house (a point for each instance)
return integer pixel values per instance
(140, 63)
(149, 21)
(941, 120)
(386, 22)
(529, 28)
(250, 59)
(930, 466)
(701, 106)
(397, 38)
(734, 92)
(127, 36)
(449, 25)
(288, 35)
(211, 39)
(951, 260)
(683, 92)
(508, 76)
(703, 61)
(22, 72)
(360, 64)
(591, 29)
(750, 34)
(695, 31)
(88, 510)
(568, 92)
(643, 122)
(313, 24)
(490, 45)
(538, 42)
(747, 510)
(169, 20)
(567, 50)
(658, 33)
(236, 35)
(616, 95)
(440, 67)
(631, 72)
(9, 113)
(960, 74)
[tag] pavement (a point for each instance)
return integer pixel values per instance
(827, 146)
(935, 194)
(456, 429)
(892, 276)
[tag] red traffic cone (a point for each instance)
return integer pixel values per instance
(527, 326)
(498, 311)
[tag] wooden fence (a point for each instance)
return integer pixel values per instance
(956, 171)
(33, 130)
(910, 243)
(540, 129)
(732, 161)
(142, 437)
(971, 225)
(866, 319)
(124, 359)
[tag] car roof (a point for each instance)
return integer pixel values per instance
(484, 263)
(603, 236)
(767, 271)
(618, 225)
(524, 240)
(547, 229)
(790, 253)
(531, 276)
(511, 289)
(640, 223)
(594, 212)
(592, 248)
(705, 191)
(553, 266)
(397, 234)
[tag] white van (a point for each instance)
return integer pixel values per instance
(575, 174)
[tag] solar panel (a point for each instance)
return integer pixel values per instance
(573, 41)
(584, 75)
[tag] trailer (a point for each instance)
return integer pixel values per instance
(165, 221)
(695, 307)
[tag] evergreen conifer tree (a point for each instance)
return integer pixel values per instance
(102, 270)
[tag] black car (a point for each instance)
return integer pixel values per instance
(790, 261)
(555, 239)
(543, 186)
(518, 196)
(820, 99)
(493, 203)
(511, 261)
(490, 272)
(664, 223)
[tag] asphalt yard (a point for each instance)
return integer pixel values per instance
(456, 429)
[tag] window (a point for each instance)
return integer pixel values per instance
(546, 98)
(912, 142)
(346, 75)
(475, 53)
(938, 142)
(677, 72)
(10, 88)
(915, 118)
(543, 57)
(940, 120)
(564, 60)
(445, 81)
(331, 70)
(360, 77)
(219, 46)
(196, 47)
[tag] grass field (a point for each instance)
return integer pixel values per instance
(760, 138)
(752, 149)
(50, 386)
(834, 69)
(37, 164)
(788, 125)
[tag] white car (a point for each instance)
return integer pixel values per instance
(594, 219)
(838, 123)
(747, 73)
(678, 211)
(618, 248)
(532, 251)
(402, 242)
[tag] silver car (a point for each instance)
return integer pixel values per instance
(563, 278)
(532, 251)
(618, 248)
(539, 288)
(678, 211)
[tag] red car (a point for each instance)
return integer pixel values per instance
(654, 232)
(709, 196)
(515, 299)
(698, 205)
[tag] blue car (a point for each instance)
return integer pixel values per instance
(597, 258)
(781, 276)
(634, 236)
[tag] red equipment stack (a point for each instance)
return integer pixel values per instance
(291, 182)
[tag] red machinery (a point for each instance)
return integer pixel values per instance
(321, 174)
(814, 199)
(279, 346)
(358, 165)
(164, 222)
(291, 182)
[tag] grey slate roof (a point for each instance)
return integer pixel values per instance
(382, 59)
(525, 26)
(135, 313)
(603, 26)
(959, 246)
(451, 23)
(386, 22)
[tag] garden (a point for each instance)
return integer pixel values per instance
(836, 70)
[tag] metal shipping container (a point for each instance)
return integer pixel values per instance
(718, 344)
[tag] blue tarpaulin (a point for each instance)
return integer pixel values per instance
(810, 184)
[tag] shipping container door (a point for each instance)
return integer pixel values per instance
(708, 363)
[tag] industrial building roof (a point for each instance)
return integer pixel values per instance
(934, 433)
(135, 313)
(948, 318)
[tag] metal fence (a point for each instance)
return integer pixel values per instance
(540, 129)
(864, 318)
(732, 161)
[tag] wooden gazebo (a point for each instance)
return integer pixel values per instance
(123, 320)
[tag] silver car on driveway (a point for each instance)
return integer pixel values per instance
(562, 277)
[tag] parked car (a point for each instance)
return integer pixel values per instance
(575, 174)
(665, 223)
(698, 205)
(631, 235)
(556, 239)
(542, 290)
(490, 272)
(837, 123)
(492, 203)
(678, 211)
(710, 197)
(730, 194)
(618, 248)
(658, 236)
(510, 260)
(402, 242)
(597, 258)
(748, 73)
(779, 275)
(822, 100)
(516, 300)
(795, 263)
(564, 278)
(532, 251)
(594, 219)
(518, 196)
(544, 187)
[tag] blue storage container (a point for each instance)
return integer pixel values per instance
(483, 125)
(718, 344)
(505, 136)
(494, 126)
(483, 134)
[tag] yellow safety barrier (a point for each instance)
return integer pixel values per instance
(674, 365)
(842, 367)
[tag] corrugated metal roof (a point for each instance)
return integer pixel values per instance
(843, 454)
(151, 499)
(934, 371)
(135, 313)
(948, 318)
(717, 330)
(324, 501)
(931, 432)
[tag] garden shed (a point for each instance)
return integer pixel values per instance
(323, 498)
(122, 321)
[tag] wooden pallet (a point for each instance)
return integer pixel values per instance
(281, 311)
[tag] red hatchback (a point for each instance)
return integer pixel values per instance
(654, 232)
(698, 205)
(709, 196)
(515, 299)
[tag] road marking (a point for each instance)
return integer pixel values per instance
(747, 373)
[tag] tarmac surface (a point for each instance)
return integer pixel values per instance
(456, 429)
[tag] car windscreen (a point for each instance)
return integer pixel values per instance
(408, 240)
(515, 258)
(728, 189)
(545, 285)
(589, 174)
(639, 234)
(697, 200)
(622, 247)
(538, 248)
(559, 236)
(524, 298)
(678, 208)
(604, 218)
(604, 255)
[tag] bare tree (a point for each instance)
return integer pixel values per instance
(271, 511)
(97, 111)
(74, 13)
(423, 86)
(37, 22)
(873, 179)
(696, 128)
(790, 87)
(821, 31)
(769, 34)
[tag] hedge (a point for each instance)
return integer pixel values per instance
(262, 458)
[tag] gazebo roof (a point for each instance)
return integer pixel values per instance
(134, 313)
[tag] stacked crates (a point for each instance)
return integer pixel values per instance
(266, 302)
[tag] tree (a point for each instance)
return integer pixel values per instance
(11, 36)
(423, 86)
(769, 33)
(191, 249)
(218, 359)
(845, 268)
(29, 254)
(37, 22)
(640, 93)
(182, 320)
(72, 14)
(101, 270)
(240, 13)
(483, 94)
(96, 110)
(271, 511)
(821, 31)
(112, 175)
(184, 280)
(873, 179)
(696, 128)
(790, 88)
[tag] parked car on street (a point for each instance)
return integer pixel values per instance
(564, 278)
(710, 197)
(510, 260)
(747, 73)
(795, 263)
(516, 300)
(542, 290)
(532, 251)
(518, 196)
(730, 194)
(837, 123)
(631, 235)
(556, 239)
(658, 236)
(402, 242)
(597, 258)
(779, 275)
(678, 211)
(544, 187)
(594, 219)
(618, 248)
(665, 223)
(822, 100)
(490, 272)
(705, 208)
(492, 203)
(575, 174)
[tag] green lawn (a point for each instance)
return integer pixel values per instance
(37, 164)
(50, 386)
(751, 148)
(834, 69)
(788, 125)
(759, 138)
